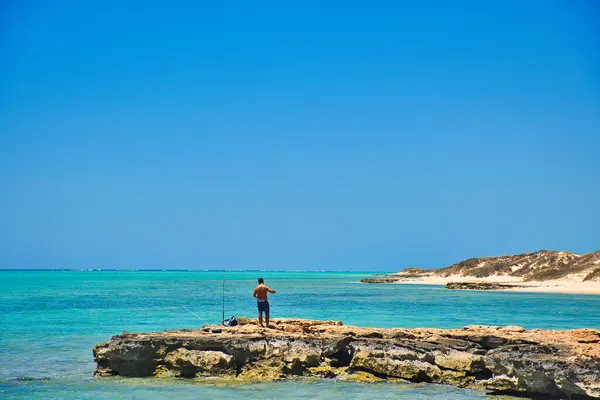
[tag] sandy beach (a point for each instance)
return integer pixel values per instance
(550, 286)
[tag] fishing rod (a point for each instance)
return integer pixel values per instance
(223, 309)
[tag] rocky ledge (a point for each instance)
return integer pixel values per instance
(512, 360)
(381, 280)
(480, 286)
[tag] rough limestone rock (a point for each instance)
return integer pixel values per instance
(479, 286)
(381, 280)
(190, 363)
(512, 360)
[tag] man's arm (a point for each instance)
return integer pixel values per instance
(271, 290)
(255, 293)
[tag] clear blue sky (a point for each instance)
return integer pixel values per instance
(296, 135)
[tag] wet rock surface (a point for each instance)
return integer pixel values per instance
(381, 280)
(479, 286)
(512, 360)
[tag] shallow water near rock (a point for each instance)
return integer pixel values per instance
(51, 320)
(149, 388)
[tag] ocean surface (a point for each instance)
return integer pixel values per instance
(50, 320)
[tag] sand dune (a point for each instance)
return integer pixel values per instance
(541, 271)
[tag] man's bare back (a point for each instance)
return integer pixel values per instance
(261, 293)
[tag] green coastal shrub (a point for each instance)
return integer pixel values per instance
(593, 276)
(547, 274)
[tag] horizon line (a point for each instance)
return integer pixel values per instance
(179, 270)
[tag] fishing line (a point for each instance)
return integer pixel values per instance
(194, 314)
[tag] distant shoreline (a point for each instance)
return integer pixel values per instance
(545, 271)
(550, 286)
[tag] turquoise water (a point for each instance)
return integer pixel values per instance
(51, 319)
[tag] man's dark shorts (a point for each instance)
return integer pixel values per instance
(263, 306)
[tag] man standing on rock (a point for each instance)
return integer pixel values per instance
(260, 293)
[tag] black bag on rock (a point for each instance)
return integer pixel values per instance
(230, 322)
